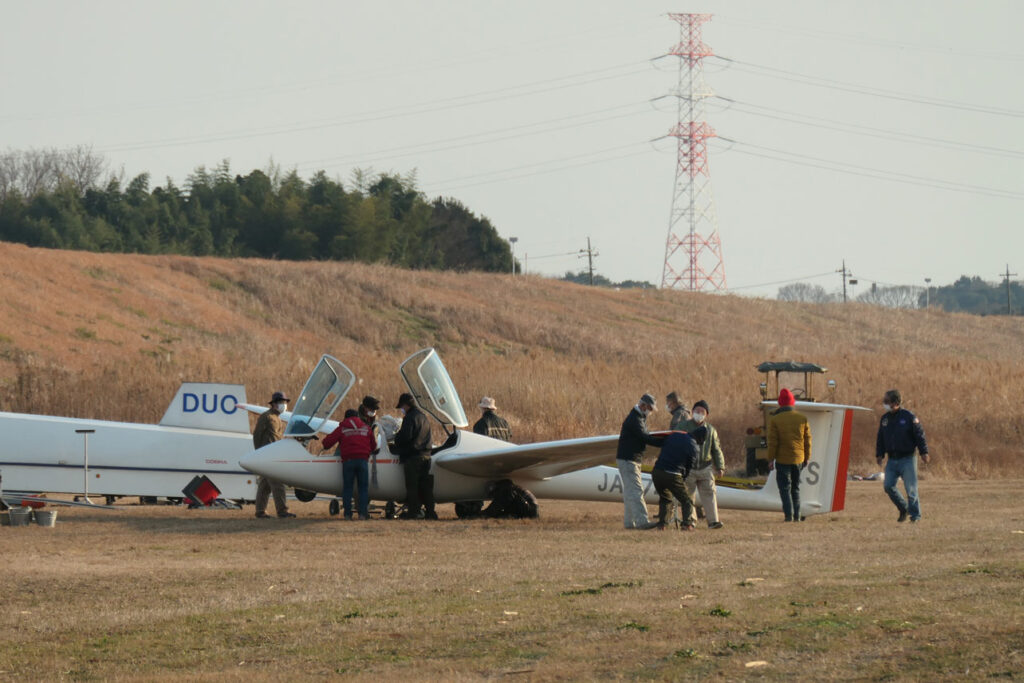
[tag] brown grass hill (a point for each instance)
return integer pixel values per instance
(111, 336)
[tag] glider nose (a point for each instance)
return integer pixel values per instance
(273, 460)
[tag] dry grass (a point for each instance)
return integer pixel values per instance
(161, 593)
(111, 336)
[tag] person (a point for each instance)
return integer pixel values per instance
(789, 446)
(677, 409)
(710, 464)
(412, 446)
(678, 455)
(269, 428)
(367, 412)
(633, 440)
(899, 434)
(490, 423)
(510, 500)
(355, 445)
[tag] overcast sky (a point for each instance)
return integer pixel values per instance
(888, 134)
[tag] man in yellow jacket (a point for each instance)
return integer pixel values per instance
(789, 445)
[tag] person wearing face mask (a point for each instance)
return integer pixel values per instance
(899, 434)
(633, 440)
(710, 464)
(412, 446)
(789, 445)
(679, 412)
(269, 428)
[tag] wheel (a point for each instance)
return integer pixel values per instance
(304, 495)
(390, 509)
(334, 507)
(468, 509)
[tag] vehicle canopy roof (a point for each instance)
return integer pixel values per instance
(789, 366)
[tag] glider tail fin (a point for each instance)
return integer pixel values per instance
(823, 481)
(201, 405)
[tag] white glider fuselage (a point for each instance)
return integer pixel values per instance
(823, 484)
(203, 432)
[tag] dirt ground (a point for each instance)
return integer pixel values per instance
(154, 593)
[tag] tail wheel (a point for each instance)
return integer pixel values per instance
(334, 507)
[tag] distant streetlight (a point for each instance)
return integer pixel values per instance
(927, 291)
(512, 241)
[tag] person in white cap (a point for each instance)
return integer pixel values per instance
(490, 423)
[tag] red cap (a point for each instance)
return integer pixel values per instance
(786, 398)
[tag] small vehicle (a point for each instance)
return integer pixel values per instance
(756, 441)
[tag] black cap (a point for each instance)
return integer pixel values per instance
(351, 413)
(649, 400)
(371, 403)
(405, 399)
(701, 404)
(279, 396)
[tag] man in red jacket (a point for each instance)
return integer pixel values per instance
(355, 445)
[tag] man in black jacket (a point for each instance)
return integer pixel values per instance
(633, 440)
(900, 434)
(412, 446)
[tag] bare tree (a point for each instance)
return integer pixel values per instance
(33, 171)
(802, 291)
(896, 296)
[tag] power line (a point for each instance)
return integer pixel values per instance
(783, 282)
(868, 172)
(430, 106)
(867, 90)
(876, 41)
(870, 131)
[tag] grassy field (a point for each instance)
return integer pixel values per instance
(152, 593)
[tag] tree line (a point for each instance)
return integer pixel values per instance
(967, 295)
(69, 199)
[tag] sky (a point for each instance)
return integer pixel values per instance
(886, 135)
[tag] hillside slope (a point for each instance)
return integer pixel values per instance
(111, 336)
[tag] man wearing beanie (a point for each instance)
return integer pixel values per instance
(789, 445)
(710, 464)
(633, 440)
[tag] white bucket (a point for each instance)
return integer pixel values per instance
(46, 517)
(20, 516)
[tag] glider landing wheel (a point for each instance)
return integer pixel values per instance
(468, 509)
(334, 507)
(390, 510)
(304, 495)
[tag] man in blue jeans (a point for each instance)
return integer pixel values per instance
(356, 444)
(899, 434)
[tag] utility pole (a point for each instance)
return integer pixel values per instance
(1007, 275)
(591, 255)
(927, 291)
(512, 241)
(845, 274)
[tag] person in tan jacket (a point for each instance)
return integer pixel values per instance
(789, 446)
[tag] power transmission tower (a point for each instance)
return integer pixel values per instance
(591, 255)
(693, 251)
(1007, 275)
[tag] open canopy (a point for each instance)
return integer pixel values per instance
(324, 391)
(430, 385)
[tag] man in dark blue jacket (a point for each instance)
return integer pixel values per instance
(633, 440)
(679, 454)
(899, 434)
